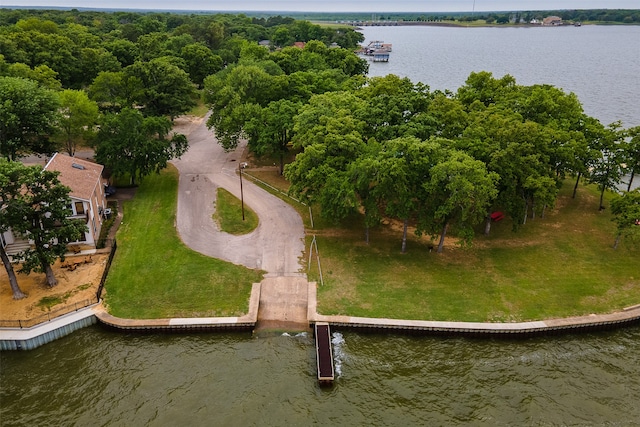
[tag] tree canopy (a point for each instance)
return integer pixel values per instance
(37, 205)
(130, 144)
(28, 114)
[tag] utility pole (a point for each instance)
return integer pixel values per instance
(241, 192)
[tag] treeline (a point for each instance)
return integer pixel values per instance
(623, 16)
(438, 161)
(388, 147)
(77, 46)
(63, 73)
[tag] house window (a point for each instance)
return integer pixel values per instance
(79, 208)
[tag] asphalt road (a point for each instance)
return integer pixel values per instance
(276, 245)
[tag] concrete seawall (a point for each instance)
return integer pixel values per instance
(245, 322)
(629, 315)
(30, 338)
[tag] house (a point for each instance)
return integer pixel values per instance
(551, 21)
(88, 200)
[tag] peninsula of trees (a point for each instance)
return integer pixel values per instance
(441, 162)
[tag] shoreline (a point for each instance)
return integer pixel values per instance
(31, 338)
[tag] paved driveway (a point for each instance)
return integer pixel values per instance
(275, 246)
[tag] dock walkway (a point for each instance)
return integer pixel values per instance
(324, 353)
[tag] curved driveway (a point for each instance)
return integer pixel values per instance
(275, 246)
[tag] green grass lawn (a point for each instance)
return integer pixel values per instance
(154, 275)
(559, 266)
(229, 214)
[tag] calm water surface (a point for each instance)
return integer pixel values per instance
(102, 378)
(600, 64)
(97, 377)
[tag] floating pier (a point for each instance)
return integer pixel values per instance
(324, 353)
(377, 50)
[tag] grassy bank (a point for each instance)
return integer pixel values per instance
(154, 275)
(231, 216)
(559, 266)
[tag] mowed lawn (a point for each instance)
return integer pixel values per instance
(154, 275)
(559, 266)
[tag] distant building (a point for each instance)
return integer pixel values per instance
(551, 21)
(299, 45)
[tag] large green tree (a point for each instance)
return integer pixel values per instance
(632, 154)
(200, 62)
(332, 140)
(271, 129)
(235, 94)
(28, 114)
(608, 167)
(129, 143)
(10, 173)
(166, 89)
(460, 191)
(115, 90)
(404, 165)
(626, 214)
(38, 208)
(78, 116)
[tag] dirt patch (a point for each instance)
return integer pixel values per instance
(185, 124)
(74, 286)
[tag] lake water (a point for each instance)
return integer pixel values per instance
(97, 377)
(600, 64)
(102, 378)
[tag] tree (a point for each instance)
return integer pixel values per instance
(9, 187)
(626, 212)
(166, 89)
(281, 37)
(608, 167)
(28, 114)
(459, 193)
(78, 115)
(392, 105)
(332, 140)
(129, 143)
(271, 130)
(404, 164)
(232, 95)
(201, 62)
(115, 90)
(38, 207)
(632, 154)
(42, 74)
(484, 88)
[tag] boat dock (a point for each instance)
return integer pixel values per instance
(377, 50)
(324, 353)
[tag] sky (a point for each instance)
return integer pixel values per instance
(337, 6)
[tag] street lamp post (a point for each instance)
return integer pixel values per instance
(241, 192)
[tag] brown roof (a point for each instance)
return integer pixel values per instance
(551, 19)
(80, 175)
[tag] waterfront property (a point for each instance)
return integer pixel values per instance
(88, 201)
